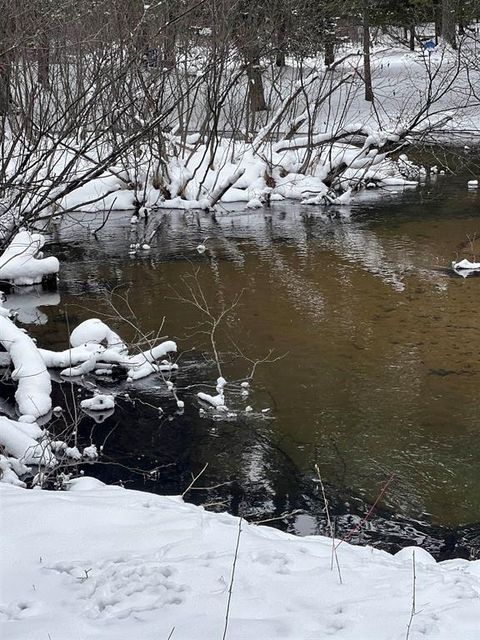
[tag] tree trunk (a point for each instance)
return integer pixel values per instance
(448, 22)
(412, 37)
(255, 87)
(169, 57)
(329, 52)
(6, 48)
(329, 37)
(437, 12)
(43, 60)
(462, 18)
(5, 72)
(280, 58)
(367, 70)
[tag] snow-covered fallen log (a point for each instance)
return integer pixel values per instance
(466, 264)
(81, 369)
(137, 372)
(95, 331)
(19, 263)
(155, 353)
(70, 357)
(222, 188)
(30, 372)
(88, 354)
(243, 171)
(218, 401)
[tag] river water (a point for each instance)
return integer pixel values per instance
(374, 365)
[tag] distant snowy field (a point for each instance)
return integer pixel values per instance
(106, 562)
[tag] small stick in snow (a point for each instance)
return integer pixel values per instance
(230, 588)
(330, 525)
(413, 611)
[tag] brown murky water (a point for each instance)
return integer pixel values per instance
(380, 341)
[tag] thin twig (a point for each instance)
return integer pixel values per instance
(330, 525)
(413, 611)
(232, 577)
(370, 511)
(194, 480)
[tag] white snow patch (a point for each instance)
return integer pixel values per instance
(215, 401)
(96, 331)
(19, 263)
(99, 402)
(23, 446)
(119, 564)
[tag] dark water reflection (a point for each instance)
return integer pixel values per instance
(380, 373)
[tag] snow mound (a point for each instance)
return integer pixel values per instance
(99, 402)
(215, 401)
(10, 470)
(84, 484)
(19, 264)
(466, 268)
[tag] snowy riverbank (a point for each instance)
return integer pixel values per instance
(318, 141)
(101, 561)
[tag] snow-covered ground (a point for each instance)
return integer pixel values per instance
(106, 562)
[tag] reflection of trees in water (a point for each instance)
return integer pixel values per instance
(177, 233)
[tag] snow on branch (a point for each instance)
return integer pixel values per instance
(30, 372)
(222, 188)
(21, 443)
(96, 347)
